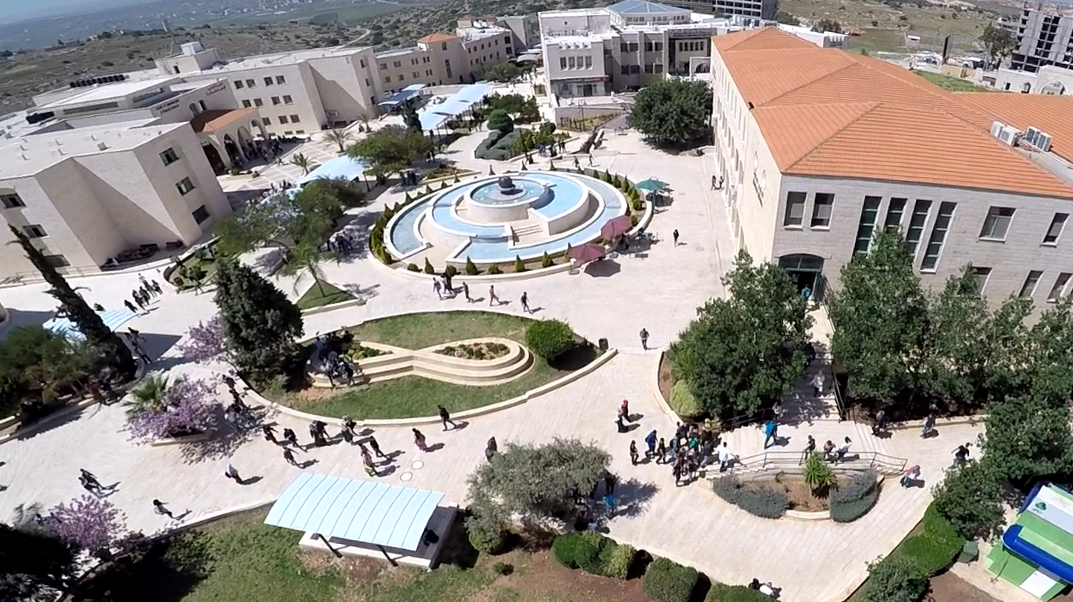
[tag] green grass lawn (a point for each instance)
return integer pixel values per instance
(414, 396)
(953, 84)
(324, 293)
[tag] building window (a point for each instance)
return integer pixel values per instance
(275, 100)
(795, 210)
(648, 68)
(625, 70)
(169, 156)
(34, 231)
(397, 64)
(251, 84)
(938, 237)
(980, 274)
(623, 47)
(383, 66)
(11, 201)
(185, 186)
(268, 81)
(300, 132)
(201, 213)
(443, 46)
(238, 84)
(360, 62)
(588, 62)
(387, 79)
(258, 102)
(916, 225)
(57, 261)
(402, 77)
(246, 103)
(287, 99)
(282, 119)
(266, 121)
(1055, 229)
(659, 68)
(570, 62)
(282, 80)
(1029, 287)
(635, 69)
(821, 210)
(367, 82)
(867, 224)
(997, 223)
(1058, 290)
(895, 211)
(428, 72)
(294, 119)
(416, 74)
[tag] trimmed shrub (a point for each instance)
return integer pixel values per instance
(764, 502)
(545, 261)
(727, 488)
(847, 512)
(591, 554)
(487, 143)
(937, 544)
(451, 271)
(618, 560)
(668, 581)
(428, 267)
(734, 593)
(412, 267)
(854, 489)
(549, 338)
(683, 402)
(494, 269)
(408, 197)
(519, 265)
(895, 579)
(471, 268)
(486, 536)
(569, 547)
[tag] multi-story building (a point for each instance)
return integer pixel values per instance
(1044, 37)
(86, 195)
(1048, 79)
(820, 148)
(753, 9)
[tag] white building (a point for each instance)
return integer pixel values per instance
(86, 195)
(1045, 80)
(820, 147)
(1044, 37)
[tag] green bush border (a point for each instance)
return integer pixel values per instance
(668, 581)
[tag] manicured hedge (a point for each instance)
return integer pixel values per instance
(668, 581)
(683, 402)
(487, 143)
(853, 498)
(549, 338)
(764, 502)
(847, 512)
(594, 554)
(734, 593)
(930, 550)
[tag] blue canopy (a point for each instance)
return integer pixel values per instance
(402, 95)
(112, 319)
(339, 167)
(364, 511)
(432, 116)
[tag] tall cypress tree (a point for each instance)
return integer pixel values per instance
(410, 117)
(259, 321)
(78, 311)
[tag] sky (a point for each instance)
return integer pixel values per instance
(12, 11)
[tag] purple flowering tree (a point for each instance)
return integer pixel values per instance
(206, 342)
(88, 522)
(186, 407)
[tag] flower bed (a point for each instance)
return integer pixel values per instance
(475, 351)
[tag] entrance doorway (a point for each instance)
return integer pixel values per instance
(214, 158)
(806, 271)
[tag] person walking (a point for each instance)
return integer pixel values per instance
(843, 450)
(370, 467)
(817, 384)
(714, 187)
(491, 449)
(633, 453)
(90, 486)
(232, 473)
(492, 298)
(929, 425)
(577, 164)
(674, 236)
(725, 457)
(445, 417)
(677, 471)
(525, 302)
(880, 423)
(644, 339)
(419, 440)
(465, 291)
(161, 509)
(810, 447)
(650, 441)
(138, 300)
(375, 447)
(661, 451)
(130, 306)
(290, 437)
(288, 455)
(590, 160)
(911, 476)
(609, 482)
(624, 410)
(142, 355)
(156, 287)
(90, 477)
(961, 456)
(437, 287)
(770, 433)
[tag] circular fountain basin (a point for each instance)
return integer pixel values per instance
(507, 199)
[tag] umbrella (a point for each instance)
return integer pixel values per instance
(615, 227)
(586, 253)
(652, 185)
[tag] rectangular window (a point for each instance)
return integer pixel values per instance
(659, 68)
(795, 210)
(867, 224)
(415, 74)
(1055, 229)
(821, 210)
(275, 100)
(268, 81)
(402, 77)
(1029, 287)
(201, 213)
(57, 261)
(981, 274)
(294, 119)
(635, 69)
(251, 84)
(300, 132)
(997, 223)
(397, 64)
(360, 62)
(895, 211)
(287, 99)
(169, 156)
(266, 121)
(443, 46)
(570, 62)
(938, 237)
(34, 231)
(11, 201)
(1059, 288)
(258, 102)
(383, 66)
(625, 70)
(282, 80)
(624, 47)
(648, 68)
(185, 186)
(282, 119)
(387, 79)
(916, 225)
(588, 62)
(238, 84)
(246, 103)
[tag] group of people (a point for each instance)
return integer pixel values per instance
(135, 340)
(143, 294)
(237, 414)
(345, 241)
(338, 368)
(692, 447)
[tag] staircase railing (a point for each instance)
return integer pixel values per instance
(792, 460)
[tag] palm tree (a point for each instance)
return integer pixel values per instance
(305, 256)
(303, 162)
(148, 396)
(339, 138)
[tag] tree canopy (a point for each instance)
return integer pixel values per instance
(259, 321)
(672, 111)
(743, 352)
(409, 116)
(998, 43)
(828, 25)
(391, 149)
(33, 563)
(498, 119)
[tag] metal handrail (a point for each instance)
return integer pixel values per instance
(877, 461)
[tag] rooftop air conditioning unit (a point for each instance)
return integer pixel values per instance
(1043, 142)
(1031, 134)
(996, 128)
(1009, 136)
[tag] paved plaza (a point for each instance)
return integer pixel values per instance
(658, 290)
